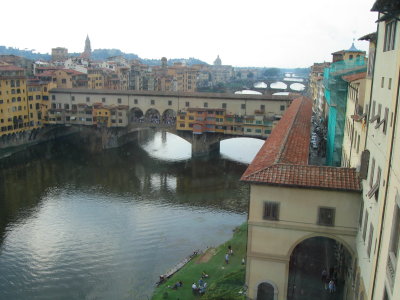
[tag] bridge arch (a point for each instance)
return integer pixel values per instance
(135, 114)
(152, 115)
(168, 116)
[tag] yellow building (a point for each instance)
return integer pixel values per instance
(14, 111)
(95, 79)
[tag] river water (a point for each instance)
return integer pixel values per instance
(75, 225)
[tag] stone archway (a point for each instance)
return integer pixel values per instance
(267, 290)
(309, 258)
(152, 116)
(168, 117)
(135, 115)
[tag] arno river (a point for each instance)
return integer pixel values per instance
(75, 225)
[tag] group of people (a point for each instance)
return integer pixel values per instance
(329, 281)
(202, 285)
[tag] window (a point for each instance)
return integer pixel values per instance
(169, 102)
(119, 100)
(103, 100)
(205, 104)
(182, 125)
(390, 35)
(191, 117)
(382, 82)
(135, 101)
(87, 99)
(326, 216)
(365, 225)
(271, 211)
(243, 106)
(371, 235)
(282, 107)
(375, 188)
(72, 98)
(63, 81)
(53, 97)
(262, 107)
(66, 106)
(390, 84)
(152, 102)
(371, 174)
(248, 130)
(223, 105)
(361, 214)
(395, 234)
(119, 120)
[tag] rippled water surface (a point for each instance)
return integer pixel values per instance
(75, 225)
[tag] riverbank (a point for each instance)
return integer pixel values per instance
(224, 281)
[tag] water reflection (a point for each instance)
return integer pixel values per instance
(75, 225)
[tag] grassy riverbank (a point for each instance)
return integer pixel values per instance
(225, 281)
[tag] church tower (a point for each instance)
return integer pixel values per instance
(88, 50)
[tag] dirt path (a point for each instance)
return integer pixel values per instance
(206, 256)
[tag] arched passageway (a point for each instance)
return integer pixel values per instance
(135, 115)
(168, 117)
(313, 264)
(153, 116)
(266, 291)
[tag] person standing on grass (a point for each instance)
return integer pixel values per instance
(227, 258)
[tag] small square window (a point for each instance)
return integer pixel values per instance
(53, 97)
(326, 216)
(152, 102)
(169, 102)
(119, 100)
(87, 99)
(103, 100)
(243, 106)
(271, 211)
(135, 101)
(187, 104)
(205, 104)
(72, 98)
(282, 107)
(223, 105)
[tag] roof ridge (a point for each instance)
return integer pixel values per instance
(288, 132)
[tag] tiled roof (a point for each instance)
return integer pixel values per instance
(283, 159)
(353, 77)
(319, 177)
(10, 68)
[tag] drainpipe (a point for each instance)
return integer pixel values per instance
(386, 184)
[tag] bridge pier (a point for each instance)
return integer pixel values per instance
(204, 144)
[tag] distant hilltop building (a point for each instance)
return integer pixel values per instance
(217, 61)
(88, 50)
(59, 53)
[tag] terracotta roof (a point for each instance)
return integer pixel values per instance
(283, 159)
(319, 177)
(353, 77)
(10, 68)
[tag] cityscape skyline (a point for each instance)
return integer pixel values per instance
(257, 35)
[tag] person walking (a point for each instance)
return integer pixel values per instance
(227, 258)
(331, 286)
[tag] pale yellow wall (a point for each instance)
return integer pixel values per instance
(387, 65)
(298, 213)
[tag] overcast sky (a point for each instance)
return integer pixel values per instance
(259, 33)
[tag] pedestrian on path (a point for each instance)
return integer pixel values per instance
(227, 258)
(331, 286)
